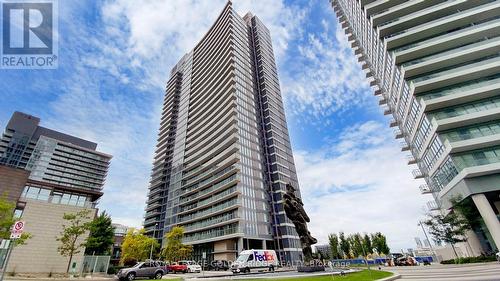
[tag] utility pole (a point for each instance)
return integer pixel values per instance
(427, 237)
(154, 236)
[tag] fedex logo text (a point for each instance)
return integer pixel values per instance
(266, 256)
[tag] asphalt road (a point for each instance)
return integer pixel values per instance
(213, 276)
(465, 272)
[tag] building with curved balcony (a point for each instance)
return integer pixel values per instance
(435, 66)
(223, 155)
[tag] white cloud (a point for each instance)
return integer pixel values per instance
(324, 78)
(153, 36)
(360, 183)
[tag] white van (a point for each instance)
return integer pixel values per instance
(254, 259)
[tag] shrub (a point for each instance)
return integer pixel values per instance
(114, 269)
(470, 260)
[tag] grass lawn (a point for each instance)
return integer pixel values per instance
(358, 276)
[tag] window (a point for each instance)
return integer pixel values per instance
(36, 193)
(56, 197)
(44, 194)
(65, 198)
(18, 213)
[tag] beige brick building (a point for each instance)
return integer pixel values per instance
(44, 221)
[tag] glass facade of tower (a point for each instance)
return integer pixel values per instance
(435, 66)
(52, 157)
(223, 155)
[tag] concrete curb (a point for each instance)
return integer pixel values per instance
(390, 278)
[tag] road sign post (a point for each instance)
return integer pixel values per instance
(17, 230)
(15, 233)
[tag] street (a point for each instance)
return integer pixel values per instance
(466, 272)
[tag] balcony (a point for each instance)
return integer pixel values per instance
(387, 110)
(425, 189)
(417, 174)
(153, 206)
(393, 123)
(152, 221)
(404, 146)
(432, 206)
(398, 134)
(411, 159)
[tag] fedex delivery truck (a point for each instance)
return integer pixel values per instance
(255, 259)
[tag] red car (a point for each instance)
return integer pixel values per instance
(175, 267)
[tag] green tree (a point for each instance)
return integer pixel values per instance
(101, 235)
(7, 221)
(367, 244)
(356, 245)
(379, 242)
(344, 245)
(467, 209)
(136, 247)
(174, 249)
(449, 229)
(333, 241)
(78, 224)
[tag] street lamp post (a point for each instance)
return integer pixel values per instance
(427, 237)
(152, 244)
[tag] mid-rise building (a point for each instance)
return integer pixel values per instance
(116, 251)
(57, 174)
(324, 250)
(223, 155)
(435, 66)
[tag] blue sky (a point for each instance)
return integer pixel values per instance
(114, 60)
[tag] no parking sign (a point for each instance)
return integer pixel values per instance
(17, 230)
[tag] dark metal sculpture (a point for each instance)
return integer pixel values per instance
(294, 209)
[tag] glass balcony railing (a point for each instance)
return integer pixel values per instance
(432, 206)
(211, 221)
(477, 158)
(203, 182)
(462, 87)
(460, 67)
(209, 200)
(452, 51)
(417, 174)
(447, 35)
(207, 190)
(210, 210)
(460, 110)
(472, 132)
(212, 233)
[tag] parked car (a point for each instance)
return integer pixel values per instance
(148, 269)
(219, 265)
(177, 267)
(192, 266)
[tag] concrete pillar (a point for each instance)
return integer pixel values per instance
(473, 243)
(240, 245)
(264, 246)
(489, 217)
